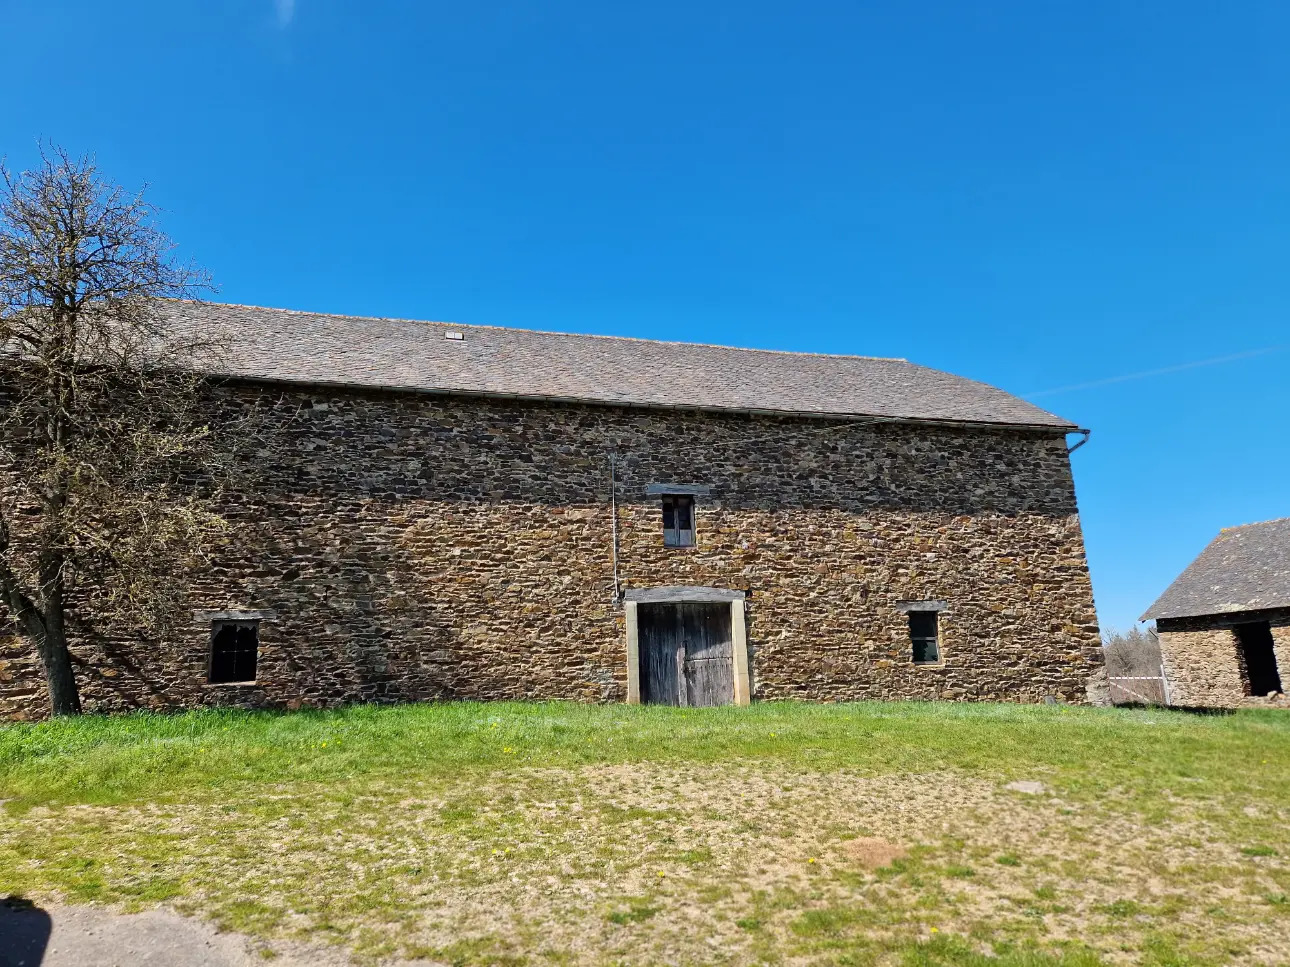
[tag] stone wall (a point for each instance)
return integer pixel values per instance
(1203, 660)
(421, 547)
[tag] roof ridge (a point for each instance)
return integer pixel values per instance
(1254, 523)
(548, 332)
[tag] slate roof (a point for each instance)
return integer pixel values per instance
(283, 345)
(1244, 568)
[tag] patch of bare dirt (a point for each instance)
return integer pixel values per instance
(872, 853)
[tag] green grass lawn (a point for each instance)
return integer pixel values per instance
(569, 834)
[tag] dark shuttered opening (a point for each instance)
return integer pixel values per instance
(234, 648)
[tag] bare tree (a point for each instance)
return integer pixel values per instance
(107, 493)
(1132, 653)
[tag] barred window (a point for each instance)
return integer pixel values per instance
(235, 645)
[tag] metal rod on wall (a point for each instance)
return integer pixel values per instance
(613, 510)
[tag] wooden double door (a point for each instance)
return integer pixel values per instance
(686, 653)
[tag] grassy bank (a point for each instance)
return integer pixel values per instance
(554, 833)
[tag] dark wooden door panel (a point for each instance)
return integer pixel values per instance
(656, 640)
(709, 681)
(705, 629)
(685, 654)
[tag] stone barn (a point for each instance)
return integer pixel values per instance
(455, 511)
(1224, 624)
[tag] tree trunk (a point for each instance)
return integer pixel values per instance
(64, 698)
(45, 628)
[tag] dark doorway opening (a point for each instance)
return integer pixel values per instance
(686, 653)
(1258, 657)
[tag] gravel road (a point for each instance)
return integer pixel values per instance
(57, 936)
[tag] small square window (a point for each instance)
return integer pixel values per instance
(678, 520)
(235, 646)
(924, 637)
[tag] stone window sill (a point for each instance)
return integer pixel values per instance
(934, 666)
(250, 684)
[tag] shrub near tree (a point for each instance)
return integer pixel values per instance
(109, 478)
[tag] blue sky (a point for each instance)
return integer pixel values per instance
(1039, 195)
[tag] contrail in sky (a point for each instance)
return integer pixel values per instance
(1156, 372)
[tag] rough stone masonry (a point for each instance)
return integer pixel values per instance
(1204, 665)
(403, 546)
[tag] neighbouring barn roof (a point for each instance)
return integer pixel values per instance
(1244, 568)
(283, 345)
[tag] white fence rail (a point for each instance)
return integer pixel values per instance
(1139, 689)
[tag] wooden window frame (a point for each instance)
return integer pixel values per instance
(675, 536)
